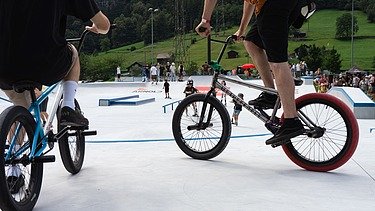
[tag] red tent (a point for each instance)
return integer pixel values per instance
(248, 66)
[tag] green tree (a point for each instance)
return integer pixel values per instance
(316, 57)
(105, 44)
(302, 52)
(332, 61)
(125, 31)
(94, 68)
(344, 26)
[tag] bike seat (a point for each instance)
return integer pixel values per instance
(298, 81)
(21, 86)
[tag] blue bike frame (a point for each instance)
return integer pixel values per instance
(40, 132)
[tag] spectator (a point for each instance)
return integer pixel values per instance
(237, 110)
(323, 84)
(363, 84)
(173, 72)
(355, 81)
(298, 70)
(205, 69)
(168, 70)
(166, 89)
(154, 75)
(223, 95)
(144, 74)
(371, 91)
(181, 72)
(118, 72)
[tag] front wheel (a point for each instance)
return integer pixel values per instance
(332, 142)
(201, 140)
(72, 146)
(20, 179)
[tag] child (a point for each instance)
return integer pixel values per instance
(237, 110)
(166, 89)
(223, 95)
(189, 90)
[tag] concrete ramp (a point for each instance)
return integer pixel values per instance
(362, 106)
(128, 100)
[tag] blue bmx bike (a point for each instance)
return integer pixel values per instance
(25, 142)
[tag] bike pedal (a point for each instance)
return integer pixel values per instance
(45, 159)
(274, 145)
(89, 133)
(78, 127)
(50, 137)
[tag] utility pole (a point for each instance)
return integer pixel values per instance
(352, 42)
(152, 10)
(180, 45)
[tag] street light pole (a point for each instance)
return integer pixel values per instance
(152, 10)
(352, 41)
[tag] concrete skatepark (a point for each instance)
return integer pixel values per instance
(134, 164)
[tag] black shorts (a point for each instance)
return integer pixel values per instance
(271, 29)
(48, 76)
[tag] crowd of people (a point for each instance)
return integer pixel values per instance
(365, 82)
(159, 72)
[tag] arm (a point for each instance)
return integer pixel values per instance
(100, 24)
(208, 8)
(247, 13)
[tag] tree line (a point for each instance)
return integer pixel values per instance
(133, 19)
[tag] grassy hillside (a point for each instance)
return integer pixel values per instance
(321, 31)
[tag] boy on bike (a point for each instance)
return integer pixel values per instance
(33, 48)
(189, 90)
(267, 43)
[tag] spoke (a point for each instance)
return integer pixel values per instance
(201, 140)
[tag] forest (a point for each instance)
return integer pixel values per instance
(133, 19)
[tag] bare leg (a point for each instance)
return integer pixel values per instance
(285, 87)
(261, 62)
(74, 72)
(70, 83)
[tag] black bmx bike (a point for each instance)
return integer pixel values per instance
(331, 129)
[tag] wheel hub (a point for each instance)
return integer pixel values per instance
(316, 132)
(201, 126)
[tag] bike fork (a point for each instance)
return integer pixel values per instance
(201, 124)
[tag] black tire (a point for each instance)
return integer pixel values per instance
(32, 173)
(72, 147)
(204, 143)
(339, 141)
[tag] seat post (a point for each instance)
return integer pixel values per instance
(33, 96)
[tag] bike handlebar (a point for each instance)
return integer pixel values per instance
(82, 37)
(228, 40)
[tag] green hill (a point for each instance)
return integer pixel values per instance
(320, 31)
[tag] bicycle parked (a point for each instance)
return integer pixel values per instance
(25, 142)
(331, 129)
